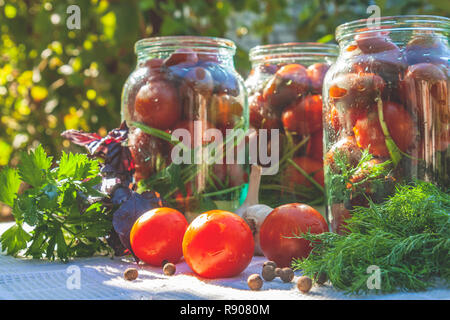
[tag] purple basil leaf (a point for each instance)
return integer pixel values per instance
(130, 210)
(118, 160)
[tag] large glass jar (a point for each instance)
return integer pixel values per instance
(285, 94)
(185, 89)
(386, 111)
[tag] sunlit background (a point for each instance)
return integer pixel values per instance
(53, 78)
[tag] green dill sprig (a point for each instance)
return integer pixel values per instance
(407, 237)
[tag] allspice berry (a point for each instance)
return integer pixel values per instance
(304, 284)
(254, 282)
(268, 273)
(130, 274)
(270, 263)
(277, 272)
(169, 269)
(287, 274)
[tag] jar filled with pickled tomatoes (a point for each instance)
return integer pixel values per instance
(181, 103)
(285, 95)
(386, 111)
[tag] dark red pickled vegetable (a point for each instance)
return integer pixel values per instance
(427, 48)
(374, 42)
(224, 112)
(154, 65)
(354, 90)
(183, 56)
(316, 72)
(158, 105)
(201, 80)
(312, 167)
(332, 118)
(369, 134)
(144, 149)
(255, 106)
(315, 146)
(289, 83)
(304, 116)
(225, 82)
(268, 68)
(208, 55)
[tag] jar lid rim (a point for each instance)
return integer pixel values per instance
(293, 49)
(394, 23)
(174, 42)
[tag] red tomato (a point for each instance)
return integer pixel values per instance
(158, 105)
(313, 168)
(368, 132)
(158, 235)
(284, 221)
(218, 244)
(304, 116)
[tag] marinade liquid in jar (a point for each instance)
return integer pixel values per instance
(386, 111)
(285, 94)
(179, 103)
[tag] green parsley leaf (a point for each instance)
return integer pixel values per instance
(14, 239)
(34, 165)
(9, 185)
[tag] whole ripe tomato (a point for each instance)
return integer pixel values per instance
(313, 167)
(158, 235)
(369, 134)
(158, 105)
(285, 221)
(304, 116)
(218, 244)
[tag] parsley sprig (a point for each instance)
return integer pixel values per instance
(56, 205)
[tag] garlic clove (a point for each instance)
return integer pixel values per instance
(255, 216)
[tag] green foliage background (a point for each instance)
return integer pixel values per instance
(53, 79)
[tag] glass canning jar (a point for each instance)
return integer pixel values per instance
(285, 93)
(186, 88)
(386, 111)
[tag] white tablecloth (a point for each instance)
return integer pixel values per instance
(102, 278)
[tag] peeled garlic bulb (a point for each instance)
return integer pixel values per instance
(252, 212)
